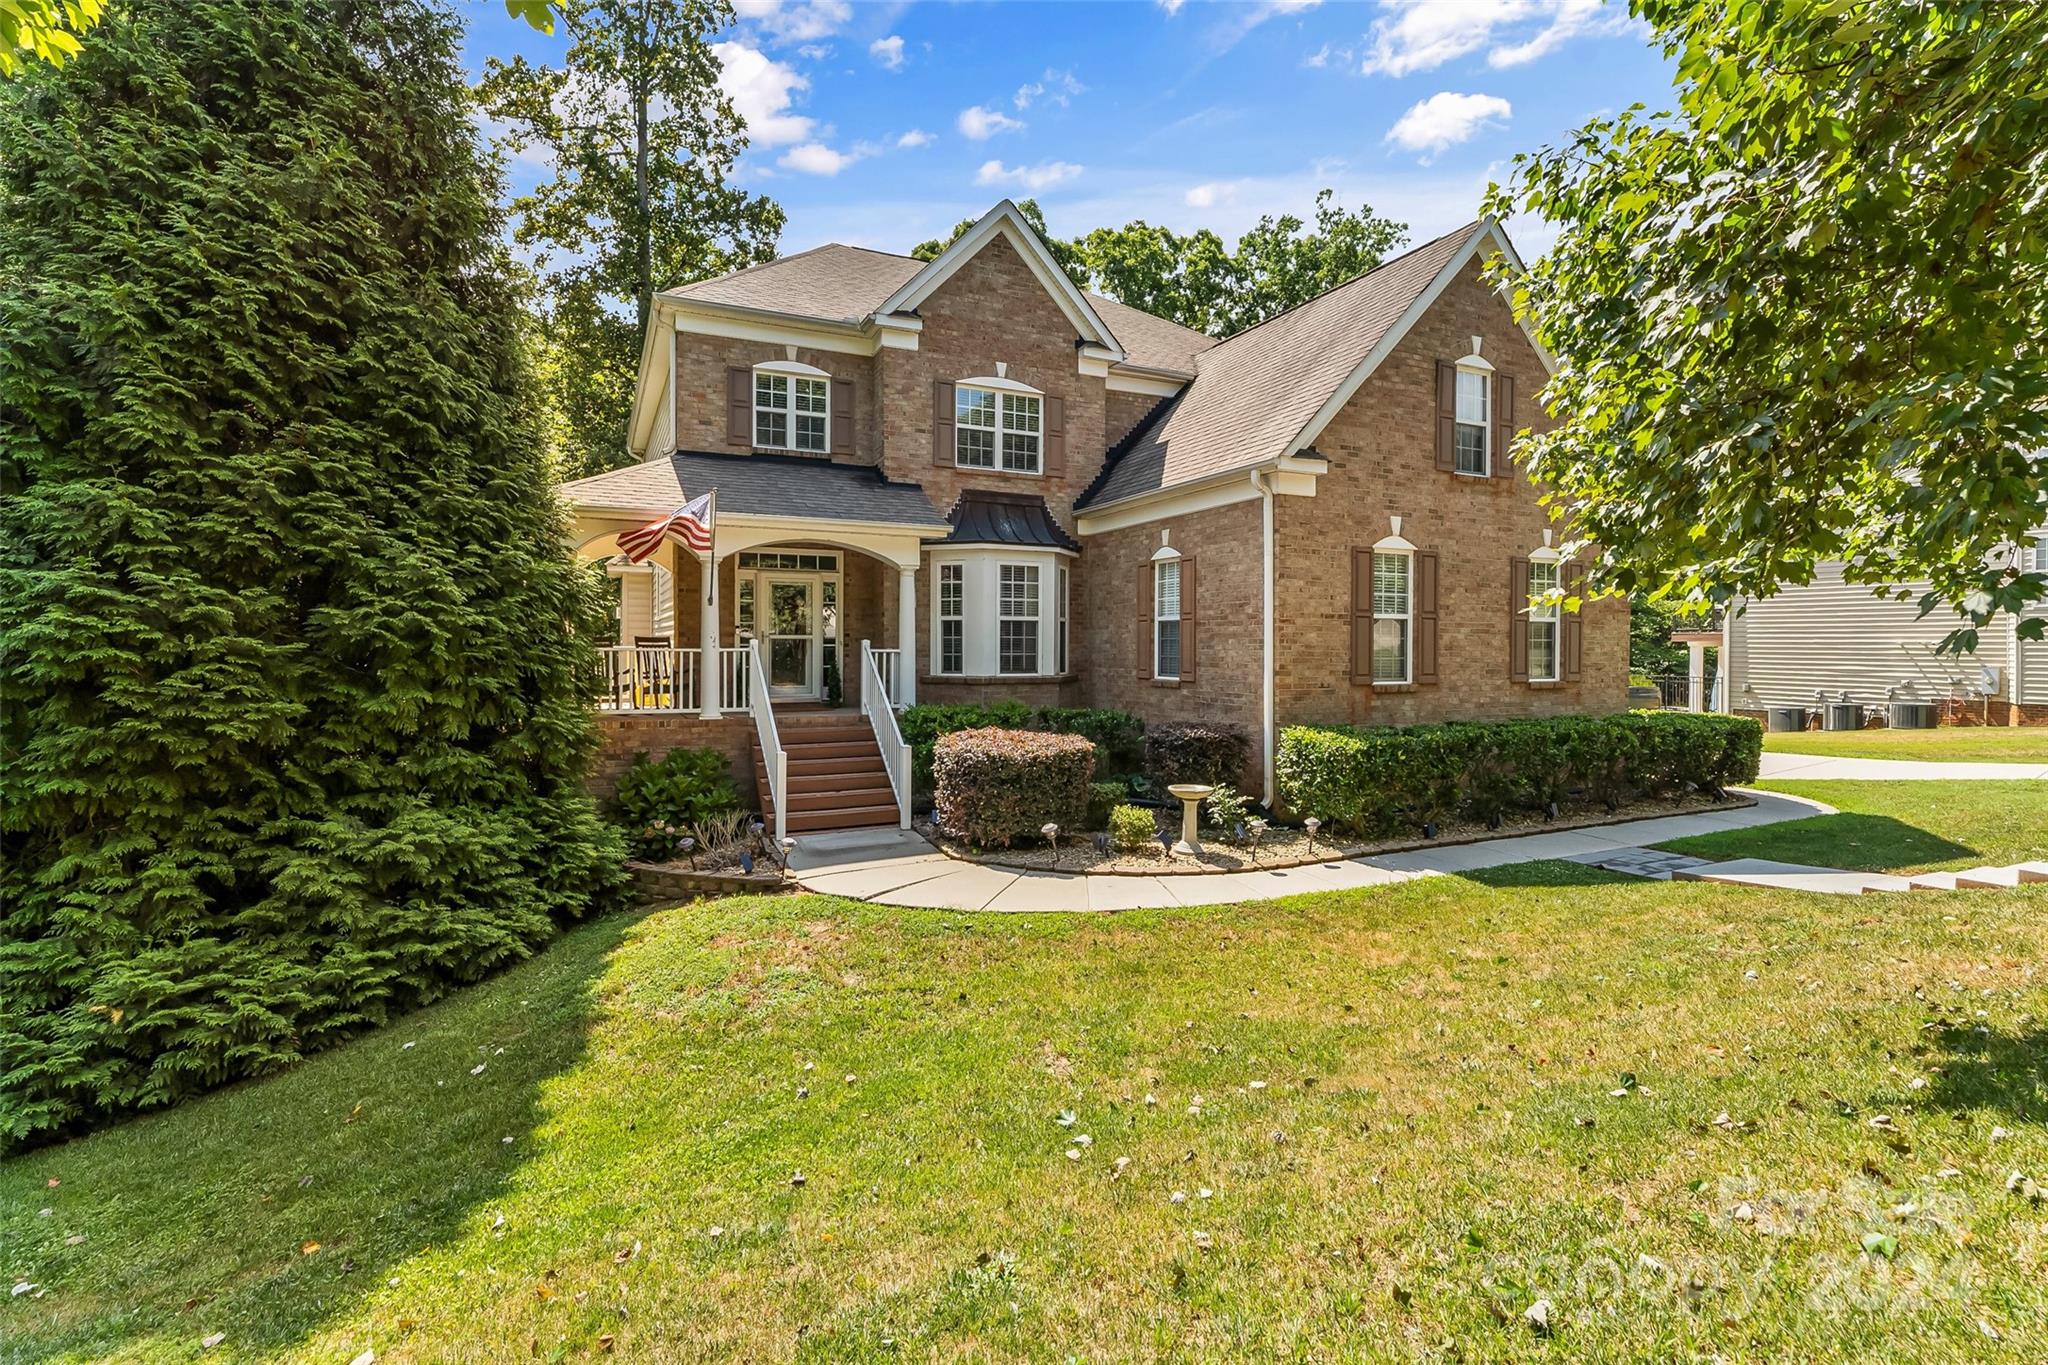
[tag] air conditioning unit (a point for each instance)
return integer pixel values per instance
(1785, 718)
(1914, 715)
(1842, 715)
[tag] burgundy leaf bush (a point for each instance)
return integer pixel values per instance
(995, 786)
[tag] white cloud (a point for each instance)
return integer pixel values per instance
(916, 137)
(980, 123)
(814, 52)
(1246, 17)
(1210, 195)
(794, 21)
(888, 51)
(1446, 119)
(1059, 87)
(1420, 35)
(1033, 178)
(1172, 7)
(761, 89)
(815, 158)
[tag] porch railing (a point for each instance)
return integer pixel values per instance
(738, 666)
(647, 678)
(772, 755)
(888, 671)
(878, 704)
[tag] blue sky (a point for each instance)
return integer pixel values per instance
(882, 124)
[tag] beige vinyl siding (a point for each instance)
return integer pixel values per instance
(662, 439)
(636, 605)
(1840, 637)
(664, 611)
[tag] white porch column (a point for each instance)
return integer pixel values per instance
(906, 634)
(1696, 679)
(711, 671)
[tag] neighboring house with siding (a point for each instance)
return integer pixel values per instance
(968, 479)
(1834, 637)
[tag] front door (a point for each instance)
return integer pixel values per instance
(790, 637)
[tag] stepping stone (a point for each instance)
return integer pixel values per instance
(1990, 877)
(2033, 872)
(1935, 881)
(1832, 881)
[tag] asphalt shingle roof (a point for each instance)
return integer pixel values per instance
(1254, 392)
(761, 485)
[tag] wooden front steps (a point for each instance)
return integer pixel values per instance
(836, 776)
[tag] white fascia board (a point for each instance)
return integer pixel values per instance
(785, 329)
(1489, 233)
(1005, 219)
(657, 362)
(1221, 490)
(1150, 384)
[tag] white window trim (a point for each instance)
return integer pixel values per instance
(939, 619)
(791, 370)
(1165, 556)
(1476, 365)
(1062, 638)
(1403, 550)
(1550, 614)
(996, 389)
(1037, 619)
(981, 572)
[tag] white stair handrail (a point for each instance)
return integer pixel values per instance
(878, 706)
(772, 753)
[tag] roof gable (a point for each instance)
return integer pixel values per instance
(1004, 220)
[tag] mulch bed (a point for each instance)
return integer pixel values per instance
(1290, 847)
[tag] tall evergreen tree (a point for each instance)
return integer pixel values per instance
(293, 658)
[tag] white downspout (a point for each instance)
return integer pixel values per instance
(1263, 481)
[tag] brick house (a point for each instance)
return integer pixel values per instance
(968, 479)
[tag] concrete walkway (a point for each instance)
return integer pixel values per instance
(1814, 768)
(897, 867)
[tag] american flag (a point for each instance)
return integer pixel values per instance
(690, 523)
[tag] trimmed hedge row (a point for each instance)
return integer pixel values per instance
(998, 785)
(1192, 751)
(1372, 781)
(1119, 736)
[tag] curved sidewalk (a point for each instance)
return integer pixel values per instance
(897, 867)
(1817, 768)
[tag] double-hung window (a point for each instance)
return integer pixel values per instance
(952, 618)
(1475, 410)
(998, 430)
(1544, 627)
(1166, 620)
(1392, 615)
(1017, 619)
(1060, 606)
(791, 412)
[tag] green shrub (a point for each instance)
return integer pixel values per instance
(1193, 751)
(1119, 737)
(1226, 807)
(659, 802)
(994, 786)
(1375, 781)
(1132, 827)
(1103, 797)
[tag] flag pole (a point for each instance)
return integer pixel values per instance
(712, 670)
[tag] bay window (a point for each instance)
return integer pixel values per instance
(999, 612)
(1017, 623)
(950, 641)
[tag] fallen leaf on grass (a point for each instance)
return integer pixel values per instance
(308, 1248)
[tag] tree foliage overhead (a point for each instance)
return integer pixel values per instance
(641, 142)
(1198, 282)
(293, 660)
(44, 29)
(1804, 316)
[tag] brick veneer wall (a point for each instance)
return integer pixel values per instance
(1123, 411)
(1381, 449)
(701, 363)
(656, 735)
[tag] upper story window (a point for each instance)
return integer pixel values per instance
(792, 412)
(1392, 615)
(998, 429)
(1166, 620)
(1475, 421)
(1545, 625)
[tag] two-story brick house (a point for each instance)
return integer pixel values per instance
(969, 479)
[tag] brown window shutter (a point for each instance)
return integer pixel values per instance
(842, 416)
(1143, 635)
(1188, 616)
(1503, 426)
(1055, 434)
(1571, 626)
(739, 406)
(942, 424)
(1361, 616)
(1424, 610)
(1518, 619)
(1446, 415)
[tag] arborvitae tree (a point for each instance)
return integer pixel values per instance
(293, 657)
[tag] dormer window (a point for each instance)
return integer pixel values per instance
(792, 408)
(998, 424)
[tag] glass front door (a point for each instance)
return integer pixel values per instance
(789, 612)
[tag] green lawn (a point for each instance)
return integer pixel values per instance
(1435, 1143)
(1897, 827)
(1949, 744)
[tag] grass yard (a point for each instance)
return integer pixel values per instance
(1896, 827)
(1948, 744)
